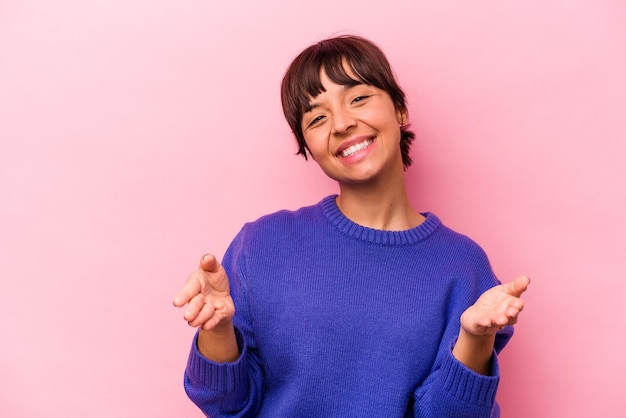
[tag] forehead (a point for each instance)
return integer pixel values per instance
(318, 78)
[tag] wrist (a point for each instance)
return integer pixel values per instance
(221, 329)
(474, 351)
(219, 344)
(479, 340)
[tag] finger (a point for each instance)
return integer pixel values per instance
(504, 320)
(512, 312)
(193, 308)
(484, 322)
(517, 304)
(189, 290)
(215, 318)
(204, 315)
(209, 263)
(517, 286)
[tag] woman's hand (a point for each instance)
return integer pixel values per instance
(207, 295)
(496, 308)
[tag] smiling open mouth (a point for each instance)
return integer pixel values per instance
(356, 147)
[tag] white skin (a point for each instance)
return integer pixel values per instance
(353, 133)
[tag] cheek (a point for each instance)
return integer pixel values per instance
(317, 139)
(388, 125)
(384, 117)
(312, 145)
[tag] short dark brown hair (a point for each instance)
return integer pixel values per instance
(366, 61)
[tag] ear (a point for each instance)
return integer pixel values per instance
(402, 115)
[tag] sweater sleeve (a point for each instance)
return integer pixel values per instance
(454, 390)
(451, 389)
(229, 389)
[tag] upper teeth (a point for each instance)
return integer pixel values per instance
(356, 147)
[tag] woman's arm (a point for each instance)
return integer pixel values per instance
(223, 376)
(210, 307)
(465, 376)
(495, 309)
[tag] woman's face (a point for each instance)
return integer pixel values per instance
(353, 132)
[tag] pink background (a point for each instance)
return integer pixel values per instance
(137, 135)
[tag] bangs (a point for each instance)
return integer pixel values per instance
(347, 61)
(334, 65)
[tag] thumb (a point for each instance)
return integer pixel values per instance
(517, 286)
(209, 263)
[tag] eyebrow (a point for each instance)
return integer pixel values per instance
(310, 107)
(314, 105)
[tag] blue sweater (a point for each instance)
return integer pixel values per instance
(334, 319)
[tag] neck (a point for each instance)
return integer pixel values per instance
(378, 207)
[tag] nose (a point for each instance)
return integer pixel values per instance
(342, 121)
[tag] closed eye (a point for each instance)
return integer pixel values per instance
(315, 121)
(360, 99)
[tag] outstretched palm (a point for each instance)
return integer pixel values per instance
(496, 308)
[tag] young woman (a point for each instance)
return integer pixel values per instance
(359, 305)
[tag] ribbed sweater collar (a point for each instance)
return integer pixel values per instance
(377, 236)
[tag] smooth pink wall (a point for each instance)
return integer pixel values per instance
(137, 135)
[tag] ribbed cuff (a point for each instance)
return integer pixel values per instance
(219, 377)
(467, 385)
